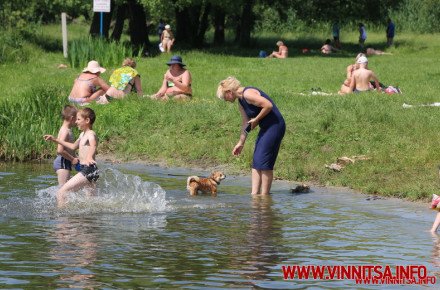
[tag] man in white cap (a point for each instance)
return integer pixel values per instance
(360, 80)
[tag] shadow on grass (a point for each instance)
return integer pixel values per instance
(297, 48)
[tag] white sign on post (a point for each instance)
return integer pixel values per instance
(101, 5)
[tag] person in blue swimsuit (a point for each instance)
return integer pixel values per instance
(257, 109)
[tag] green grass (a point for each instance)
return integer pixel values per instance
(402, 143)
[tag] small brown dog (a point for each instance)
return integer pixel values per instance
(194, 184)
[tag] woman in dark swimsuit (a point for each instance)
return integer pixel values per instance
(257, 109)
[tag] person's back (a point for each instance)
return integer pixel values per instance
(361, 77)
(284, 51)
(83, 86)
(88, 85)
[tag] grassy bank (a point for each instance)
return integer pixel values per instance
(402, 143)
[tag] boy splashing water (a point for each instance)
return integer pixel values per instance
(87, 144)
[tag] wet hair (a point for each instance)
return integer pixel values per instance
(88, 113)
(129, 62)
(68, 112)
(228, 84)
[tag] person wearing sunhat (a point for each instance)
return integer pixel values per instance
(176, 82)
(167, 39)
(88, 86)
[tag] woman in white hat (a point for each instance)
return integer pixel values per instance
(167, 39)
(88, 86)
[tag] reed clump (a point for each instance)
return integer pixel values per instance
(108, 53)
(24, 120)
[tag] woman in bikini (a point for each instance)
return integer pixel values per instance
(345, 88)
(123, 80)
(88, 86)
(167, 39)
(176, 82)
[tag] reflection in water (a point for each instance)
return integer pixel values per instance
(74, 251)
(262, 238)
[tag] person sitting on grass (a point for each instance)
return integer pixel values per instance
(88, 86)
(282, 51)
(360, 80)
(345, 87)
(327, 48)
(87, 144)
(176, 82)
(122, 81)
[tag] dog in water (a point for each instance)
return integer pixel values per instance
(194, 184)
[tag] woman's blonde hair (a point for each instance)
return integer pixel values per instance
(359, 55)
(228, 84)
(129, 62)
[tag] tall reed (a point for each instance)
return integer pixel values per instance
(24, 120)
(107, 53)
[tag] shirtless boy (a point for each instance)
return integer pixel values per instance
(65, 157)
(360, 80)
(87, 144)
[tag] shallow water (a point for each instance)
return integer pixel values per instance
(144, 231)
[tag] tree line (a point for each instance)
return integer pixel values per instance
(191, 19)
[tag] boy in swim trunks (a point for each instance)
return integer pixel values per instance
(65, 157)
(87, 144)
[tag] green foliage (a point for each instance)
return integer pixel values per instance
(107, 53)
(24, 121)
(418, 16)
(50, 10)
(12, 48)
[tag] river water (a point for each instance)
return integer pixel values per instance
(143, 231)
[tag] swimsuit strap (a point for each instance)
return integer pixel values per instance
(91, 86)
(85, 80)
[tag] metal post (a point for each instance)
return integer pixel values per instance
(102, 24)
(64, 31)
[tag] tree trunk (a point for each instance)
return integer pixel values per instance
(186, 24)
(219, 26)
(203, 26)
(246, 23)
(137, 25)
(121, 14)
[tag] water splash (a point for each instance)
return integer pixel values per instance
(116, 192)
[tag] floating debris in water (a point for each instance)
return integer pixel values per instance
(300, 188)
